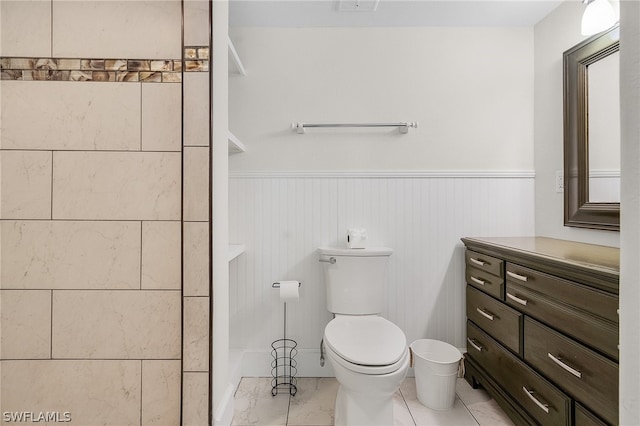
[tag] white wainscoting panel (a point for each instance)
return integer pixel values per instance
(283, 218)
(604, 186)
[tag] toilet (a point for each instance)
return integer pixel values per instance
(368, 353)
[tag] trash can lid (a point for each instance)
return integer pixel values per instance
(436, 351)
(366, 340)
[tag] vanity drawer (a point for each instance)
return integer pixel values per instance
(584, 374)
(485, 263)
(543, 401)
(584, 417)
(490, 284)
(588, 329)
(588, 299)
(497, 319)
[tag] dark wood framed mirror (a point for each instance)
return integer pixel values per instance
(581, 207)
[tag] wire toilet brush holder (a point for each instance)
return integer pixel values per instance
(284, 366)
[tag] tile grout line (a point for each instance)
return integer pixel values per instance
(141, 115)
(467, 408)
(288, 410)
(51, 330)
(407, 405)
(141, 392)
(141, 251)
(51, 29)
(51, 210)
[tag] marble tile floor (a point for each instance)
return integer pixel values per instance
(313, 405)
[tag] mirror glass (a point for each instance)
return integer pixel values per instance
(604, 129)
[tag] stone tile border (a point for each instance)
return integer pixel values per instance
(196, 59)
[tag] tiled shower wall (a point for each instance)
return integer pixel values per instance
(104, 180)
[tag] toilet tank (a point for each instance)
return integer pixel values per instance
(356, 282)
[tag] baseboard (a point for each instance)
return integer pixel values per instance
(258, 364)
(236, 357)
(224, 413)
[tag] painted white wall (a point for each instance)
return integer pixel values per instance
(470, 89)
(559, 31)
(630, 217)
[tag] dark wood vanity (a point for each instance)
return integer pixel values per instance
(542, 328)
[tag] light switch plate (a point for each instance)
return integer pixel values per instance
(559, 181)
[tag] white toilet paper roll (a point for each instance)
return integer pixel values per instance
(356, 238)
(289, 291)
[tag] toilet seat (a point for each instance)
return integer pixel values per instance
(366, 369)
(369, 344)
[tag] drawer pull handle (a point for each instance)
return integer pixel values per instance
(571, 370)
(517, 299)
(476, 261)
(517, 276)
(475, 345)
(545, 407)
(485, 314)
(477, 281)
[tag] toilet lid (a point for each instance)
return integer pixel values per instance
(366, 340)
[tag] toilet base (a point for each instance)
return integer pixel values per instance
(354, 409)
(365, 399)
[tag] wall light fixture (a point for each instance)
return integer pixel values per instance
(598, 16)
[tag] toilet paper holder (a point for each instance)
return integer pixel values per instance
(283, 364)
(277, 284)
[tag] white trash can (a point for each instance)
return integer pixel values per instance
(436, 369)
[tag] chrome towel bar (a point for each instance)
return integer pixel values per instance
(404, 127)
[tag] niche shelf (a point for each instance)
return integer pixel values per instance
(235, 145)
(235, 250)
(235, 58)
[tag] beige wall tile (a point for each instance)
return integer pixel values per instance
(196, 109)
(195, 397)
(196, 334)
(196, 23)
(161, 243)
(25, 185)
(116, 185)
(136, 29)
(196, 184)
(116, 324)
(161, 117)
(25, 324)
(94, 392)
(196, 258)
(70, 255)
(63, 115)
(161, 393)
(25, 28)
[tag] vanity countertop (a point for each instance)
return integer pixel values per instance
(596, 265)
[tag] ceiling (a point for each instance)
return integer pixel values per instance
(388, 13)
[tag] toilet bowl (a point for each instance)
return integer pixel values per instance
(370, 359)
